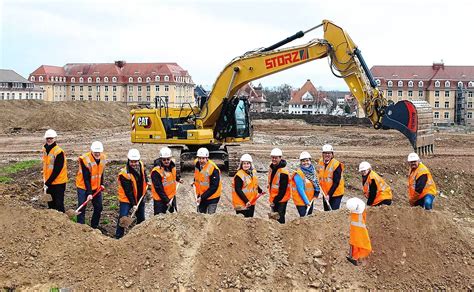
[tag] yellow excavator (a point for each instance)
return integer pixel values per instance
(222, 121)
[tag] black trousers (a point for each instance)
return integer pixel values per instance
(247, 213)
(281, 209)
(57, 193)
(161, 208)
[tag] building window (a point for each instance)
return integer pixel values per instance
(469, 94)
(437, 83)
(446, 115)
(436, 104)
(147, 98)
(469, 104)
(81, 88)
(8, 95)
(436, 115)
(446, 93)
(130, 88)
(97, 80)
(89, 97)
(89, 80)
(73, 88)
(25, 95)
(400, 83)
(81, 80)
(32, 78)
(460, 85)
(400, 93)
(167, 78)
(73, 97)
(114, 79)
(148, 88)
(437, 93)
(148, 79)
(410, 93)
(115, 98)
(89, 88)
(420, 93)
(114, 88)
(139, 79)
(471, 84)
(157, 88)
(378, 82)
(139, 88)
(106, 79)
(72, 79)
(130, 79)
(98, 88)
(106, 98)
(469, 115)
(410, 83)
(157, 78)
(166, 88)
(447, 84)
(446, 104)
(19, 95)
(106, 88)
(139, 98)
(40, 79)
(390, 83)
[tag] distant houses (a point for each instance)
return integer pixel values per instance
(14, 86)
(256, 97)
(309, 100)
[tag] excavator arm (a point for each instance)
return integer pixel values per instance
(346, 62)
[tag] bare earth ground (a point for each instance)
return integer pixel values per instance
(413, 249)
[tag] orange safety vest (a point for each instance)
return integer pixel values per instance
(430, 187)
(96, 170)
(48, 165)
(121, 192)
(168, 179)
(384, 192)
(359, 236)
(308, 188)
(326, 174)
(202, 179)
(250, 187)
(274, 185)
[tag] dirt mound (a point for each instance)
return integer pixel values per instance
(313, 119)
(35, 115)
(42, 248)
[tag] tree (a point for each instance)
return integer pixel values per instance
(347, 109)
(278, 95)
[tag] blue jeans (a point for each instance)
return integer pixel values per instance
(302, 210)
(426, 202)
(96, 203)
(335, 203)
(123, 212)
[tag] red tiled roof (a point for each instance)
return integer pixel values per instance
(427, 74)
(49, 70)
(308, 87)
(254, 94)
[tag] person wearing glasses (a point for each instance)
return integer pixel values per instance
(54, 171)
(163, 183)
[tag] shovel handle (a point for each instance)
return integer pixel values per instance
(100, 189)
(325, 199)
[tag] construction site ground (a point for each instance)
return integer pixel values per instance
(412, 248)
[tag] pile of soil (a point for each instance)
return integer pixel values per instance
(313, 119)
(413, 249)
(37, 115)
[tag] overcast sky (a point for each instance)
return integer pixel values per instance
(203, 36)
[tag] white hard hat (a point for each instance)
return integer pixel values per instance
(305, 155)
(165, 152)
(327, 148)
(97, 147)
(276, 152)
(133, 154)
(202, 152)
(413, 157)
(246, 157)
(355, 205)
(50, 134)
(364, 165)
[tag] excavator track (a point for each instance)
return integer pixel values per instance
(425, 136)
(234, 152)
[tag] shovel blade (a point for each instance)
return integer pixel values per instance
(125, 222)
(71, 213)
(45, 198)
(274, 216)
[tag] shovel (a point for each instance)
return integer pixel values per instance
(71, 213)
(171, 202)
(127, 221)
(252, 202)
(309, 207)
(45, 197)
(326, 200)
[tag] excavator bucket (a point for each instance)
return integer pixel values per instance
(414, 120)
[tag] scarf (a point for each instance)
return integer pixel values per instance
(310, 174)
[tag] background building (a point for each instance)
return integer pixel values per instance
(14, 86)
(449, 89)
(308, 100)
(136, 83)
(256, 97)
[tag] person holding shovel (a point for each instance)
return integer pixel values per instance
(304, 185)
(278, 184)
(132, 186)
(89, 178)
(245, 188)
(163, 183)
(207, 182)
(331, 179)
(54, 171)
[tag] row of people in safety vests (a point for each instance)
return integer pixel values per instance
(303, 185)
